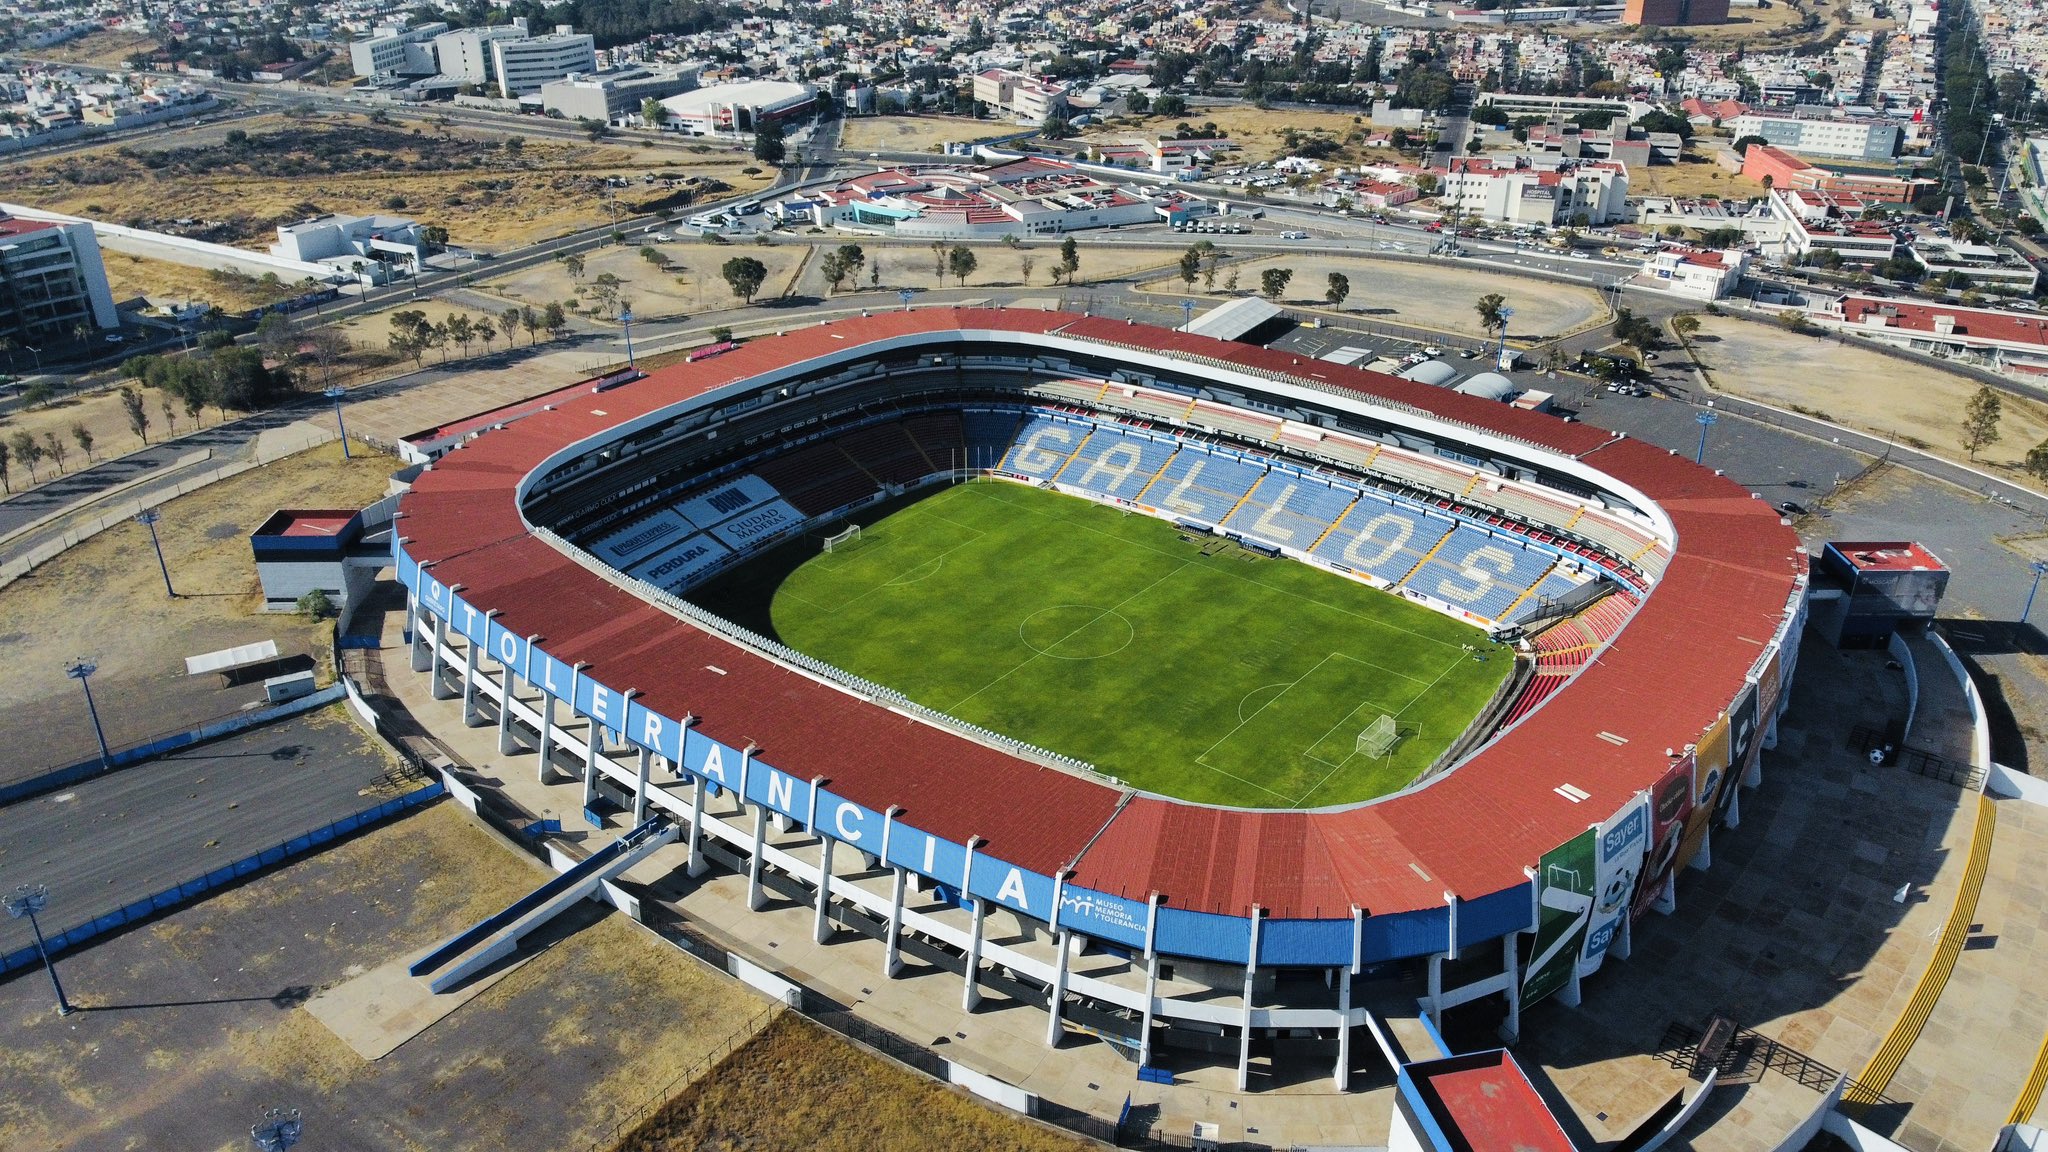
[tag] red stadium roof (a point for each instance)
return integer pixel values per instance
(1659, 685)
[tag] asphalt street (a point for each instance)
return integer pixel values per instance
(120, 837)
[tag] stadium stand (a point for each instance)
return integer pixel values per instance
(987, 434)
(1291, 510)
(1383, 539)
(937, 435)
(1481, 572)
(1202, 485)
(886, 452)
(1118, 462)
(817, 477)
(1044, 443)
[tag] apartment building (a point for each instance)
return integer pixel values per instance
(1519, 191)
(1025, 97)
(1815, 134)
(51, 281)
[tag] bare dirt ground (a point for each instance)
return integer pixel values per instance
(1850, 384)
(465, 180)
(107, 49)
(828, 1095)
(105, 600)
(1436, 296)
(132, 276)
(195, 1023)
(914, 133)
(1696, 175)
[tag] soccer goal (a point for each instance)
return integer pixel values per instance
(843, 539)
(1379, 738)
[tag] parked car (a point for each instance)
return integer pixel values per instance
(1294, 235)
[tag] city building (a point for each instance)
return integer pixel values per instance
(1695, 273)
(1674, 13)
(734, 109)
(1524, 190)
(1982, 265)
(1819, 133)
(51, 281)
(1026, 98)
(1034, 197)
(353, 243)
(2002, 341)
(611, 95)
(1777, 168)
(464, 55)
(521, 66)
(1824, 221)
(397, 51)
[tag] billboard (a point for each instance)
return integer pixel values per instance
(1744, 740)
(1710, 763)
(1565, 882)
(1623, 842)
(1670, 804)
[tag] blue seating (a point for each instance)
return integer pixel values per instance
(1205, 486)
(987, 435)
(1556, 584)
(1481, 573)
(1043, 445)
(1291, 510)
(1118, 462)
(1382, 537)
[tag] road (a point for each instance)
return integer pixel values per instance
(121, 837)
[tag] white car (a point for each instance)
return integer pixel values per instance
(1580, 256)
(663, 237)
(1294, 235)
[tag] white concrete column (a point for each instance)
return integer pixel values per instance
(754, 861)
(1061, 942)
(1151, 1002)
(1511, 964)
(1343, 1076)
(547, 738)
(1704, 858)
(970, 996)
(697, 800)
(1667, 894)
(1569, 994)
(470, 716)
(434, 665)
(506, 744)
(416, 614)
(640, 788)
(1734, 806)
(892, 946)
(1244, 1044)
(821, 926)
(1624, 937)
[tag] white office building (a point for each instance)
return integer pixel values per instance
(1546, 196)
(397, 51)
(358, 245)
(521, 67)
(1813, 134)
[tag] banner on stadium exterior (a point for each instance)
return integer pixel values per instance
(1670, 804)
(1623, 842)
(1744, 742)
(1767, 684)
(1565, 880)
(1710, 764)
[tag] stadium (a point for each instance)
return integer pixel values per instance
(1074, 648)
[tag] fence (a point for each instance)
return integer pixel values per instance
(181, 894)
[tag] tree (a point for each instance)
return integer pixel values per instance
(484, 330)
(768, 145)
(38, 394)
(6, 461)
(875, 274)
(2037, 461)
(27, 451)
(593, 128)
(1792, 320)
(55, 449)
(411, 334)
(315, 605)
(1491, 317)
(1273, 281)
(1340, 287)
(83, 435)
(514, 145)
(326, 346)
(170, 416)
(2028, 226)
(1685, 325)
(276, 336)
(529, 319)
(1025, 264)
(744, 274)
(1055, 126)
(939, 261)
(961, 262)
(654, 112)
(462, 331)
(508, 322)
(842, 263)
(1070, 257)
(1230, 281)
(555, 319)
(574, 266)
(1980, 420)
(138, 416)
(1190, 266)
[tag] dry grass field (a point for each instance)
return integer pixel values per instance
(1699, 176)
(795, 1085)
(105, 600)
(469, 182)
(1849, 384)
(105, 49)
(132, 276)
(914, 133)
(1258, 132)
(689, 284)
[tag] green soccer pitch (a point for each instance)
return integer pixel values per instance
(1185, 666)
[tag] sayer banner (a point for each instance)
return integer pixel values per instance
(1670, 804)
(1565, 880)
(1624, 838)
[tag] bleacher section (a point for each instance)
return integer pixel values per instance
(1472, 550)
(1383, 538)
(1118, 461)
(1201, 485)
(1564, 648)
(1481, 573)
(1291, 510)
